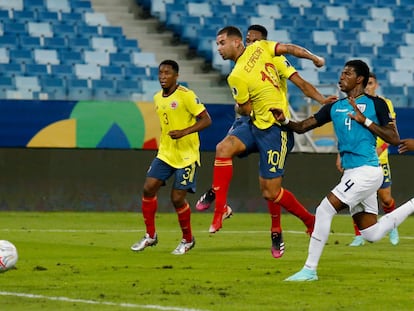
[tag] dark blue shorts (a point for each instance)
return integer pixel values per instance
(273, 145)
(184, 178)
(387, 176)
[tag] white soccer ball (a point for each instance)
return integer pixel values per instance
(8, 255)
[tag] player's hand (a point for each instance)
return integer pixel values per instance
(329, 99)
(358, 116)
(319, 61)
(406, 145)
(278, 114)
(175, 134)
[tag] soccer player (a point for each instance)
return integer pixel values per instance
(384, 192)
(256, 87)
(182, 116)
(285, 71)
(357, 119)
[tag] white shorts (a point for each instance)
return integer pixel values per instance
(358, 189)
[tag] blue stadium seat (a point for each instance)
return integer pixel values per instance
(120, 59)
(27, 83)
(70, 57)
(135, 73)
(34, 5)
(62, 71)
(11, 70)
(24, 16)
(28, 42)
(57, 43)
(125, 45)
(112, 72)
(39, 29)
(106, 45)
(6, 82)
(96, 57)
(88, 71)
(127, 87)
(79, 44)
(64, 30)
(328, 77)
(16, 5)
(87, 31)
(48, 17)
(43, 56)
(95, 19)
(58, 5)
(72, 18)
(37, 70)
(112, 31)
(14, 28)
(21, 56)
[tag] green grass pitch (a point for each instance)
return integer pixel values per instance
(82, 261)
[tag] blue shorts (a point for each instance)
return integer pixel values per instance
(386, 183)
(184, 178)
(273, 145)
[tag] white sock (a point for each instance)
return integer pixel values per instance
(388, 222)
(324, 214)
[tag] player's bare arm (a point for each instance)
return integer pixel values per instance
(244, 109)
(387, 132)
(310, 91)
(203, 121)
(298, 127)
(301, 52)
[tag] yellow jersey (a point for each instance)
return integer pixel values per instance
(255, 78)
(383, 157)
(178, 111)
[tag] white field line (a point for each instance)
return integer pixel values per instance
(94, 302)
(169, 231)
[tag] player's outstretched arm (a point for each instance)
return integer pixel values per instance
(300, 52)
(298, 127)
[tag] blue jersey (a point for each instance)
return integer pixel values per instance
(356, 143)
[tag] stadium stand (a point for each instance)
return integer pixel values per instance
(67, 40)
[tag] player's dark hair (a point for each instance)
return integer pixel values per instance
(373, 75)
(230, 31)
(171, 63)
(260, 29)
(361, 69)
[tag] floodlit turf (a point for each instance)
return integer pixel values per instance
(82, 261)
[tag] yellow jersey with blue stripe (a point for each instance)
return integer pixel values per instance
(255, 78)
(383, 157)
(178, 111)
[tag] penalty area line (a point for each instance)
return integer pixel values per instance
(94, 302)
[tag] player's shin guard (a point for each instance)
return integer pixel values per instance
(184, 218)
(275, 213)
(149, 208)
(388, 222)
(293, 206)
(324, 214)
(222, 174)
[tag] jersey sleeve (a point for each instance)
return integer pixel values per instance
(239, 89)
(324, 114)
(383, 112)
(283, 66)
(193, 103)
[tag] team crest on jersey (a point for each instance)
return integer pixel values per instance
(234, 91)
(174, 105)
(361, 107)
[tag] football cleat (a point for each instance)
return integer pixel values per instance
(183, 247)
(304, 275)
(394, 236)
(278, 246)
(357, 241)
(218, 219)
(206, 200)
(145, 242)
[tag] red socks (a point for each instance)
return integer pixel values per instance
(222, 174)
(293, 206)
(184, 218)
(149, 207)
(275, 212)
(389, 208)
